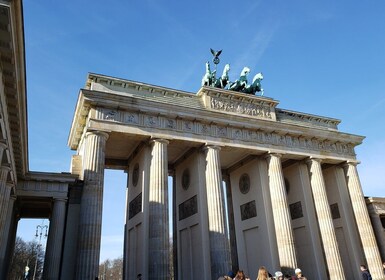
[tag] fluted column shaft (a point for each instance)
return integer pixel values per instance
(55, 241)
(90, 222)
(378, 229)
(4, 260)
(325, 221)
(159, 244)
(230, 215)
(361, 215)
(281, 214)
(219, 246)
(5, 191)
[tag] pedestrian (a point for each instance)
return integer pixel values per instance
(279, 275)
(298, 274)
(240, 275)
(365, 273)
(263, 274)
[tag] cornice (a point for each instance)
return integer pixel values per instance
(13, 70)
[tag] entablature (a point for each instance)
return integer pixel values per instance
(247, 121)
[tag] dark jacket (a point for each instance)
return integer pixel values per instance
(366, 275)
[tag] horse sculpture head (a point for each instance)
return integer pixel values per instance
(258, 77)
(245, 71)
(256, 85)
(226, 70)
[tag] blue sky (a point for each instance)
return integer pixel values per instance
(320, 57)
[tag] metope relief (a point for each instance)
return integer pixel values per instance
(132, 118)
(170, 123)
(111, 115)
(151, 121)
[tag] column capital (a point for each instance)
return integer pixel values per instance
(159, 140)
(60, 199)
(351, 163)
(269, 155)
(211, 146)
(309, 159)
(103, 134)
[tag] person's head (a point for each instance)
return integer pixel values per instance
(363, 267)
(263, 273)
(279, 275)
(139, 276)
(240, 275)
(231, 274)
(298, 272)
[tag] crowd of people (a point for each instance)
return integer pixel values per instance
(263, 274)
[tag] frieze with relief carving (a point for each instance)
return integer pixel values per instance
(229, 132)
(250, 109)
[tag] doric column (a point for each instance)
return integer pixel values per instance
(281, 214)
(55, 240)
(219, 246)
(90, 222)
(5, 191)
(325, 221)
(4, 246)
(377, 228)
(361, 215)
(230, 215)
(158, 212)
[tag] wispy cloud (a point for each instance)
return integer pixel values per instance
(256, 45)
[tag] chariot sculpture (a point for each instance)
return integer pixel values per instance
(239, 85)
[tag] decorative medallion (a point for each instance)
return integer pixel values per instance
(244, 183)
(186, 179)
(135, 175)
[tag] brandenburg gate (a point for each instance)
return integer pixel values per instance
(252, 184)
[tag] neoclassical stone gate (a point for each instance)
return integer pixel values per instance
(293, 195)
